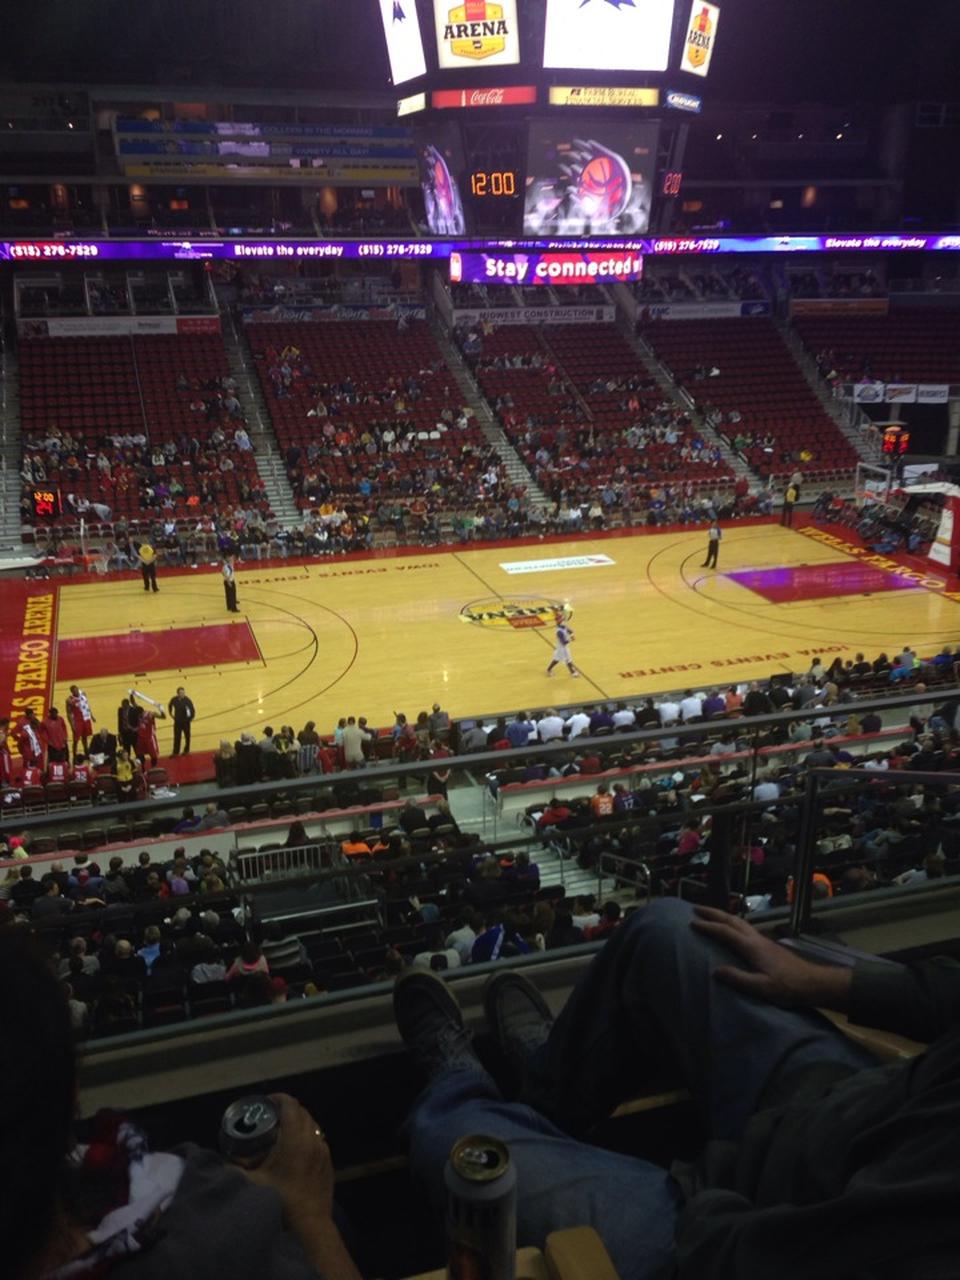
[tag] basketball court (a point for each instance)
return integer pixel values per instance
(471, 629)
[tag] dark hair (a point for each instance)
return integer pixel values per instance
(37, 1066)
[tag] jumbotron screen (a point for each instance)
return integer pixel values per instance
(589, 177)
(441, 162)
(401, 28)
(608, 35)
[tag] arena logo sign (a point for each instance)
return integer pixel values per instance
(552, 566)
(515, 613)
(715, 663)
(866, 556)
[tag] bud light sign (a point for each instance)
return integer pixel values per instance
(585, 267)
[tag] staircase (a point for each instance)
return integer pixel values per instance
(851, 421)
(517, 473)
(664, 380)
(270, 463)
(11, 541)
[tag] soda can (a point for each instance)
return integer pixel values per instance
(481, 1183)
(249, 1129)
(456, 268)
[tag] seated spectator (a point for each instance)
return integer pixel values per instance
(412, 818)
(208, 966)
(602, 802)
(609, 920)
(501, 941)
(437, 955)
(149, 953)
(555, 813)
(355, 847)
(464, 934)
(213, 818)
(51, 902)
(690, 839)
(250, 960)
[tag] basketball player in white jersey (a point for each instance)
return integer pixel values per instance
(561, 652)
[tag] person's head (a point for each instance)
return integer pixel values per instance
(37, 1065)
(74, 689)
(250, 953)
(297, 835)
(180, 691)
(124, 949)
(188, 813)
(268, 731)
(53, 888)
(611, 912)
(151, 935)
(436, 707)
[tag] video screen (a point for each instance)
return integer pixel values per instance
(441, 162)
(597, 35)
(401, 27)
(589, 178)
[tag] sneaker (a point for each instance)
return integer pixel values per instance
(431, 1025)
(518, 1016)
(575, 674)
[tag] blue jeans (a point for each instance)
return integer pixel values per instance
(646, 1003)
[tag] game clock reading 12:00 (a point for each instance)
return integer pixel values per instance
(495, 196)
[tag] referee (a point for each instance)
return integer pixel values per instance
(148, 566)
(230, 585)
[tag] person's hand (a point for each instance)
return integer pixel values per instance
(298, 1167)
(776, 973)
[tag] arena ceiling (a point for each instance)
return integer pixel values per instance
(785, 51)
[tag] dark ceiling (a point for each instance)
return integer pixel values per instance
(784, 51)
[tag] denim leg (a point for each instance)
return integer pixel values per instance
(648, 1004)
(631, 1203)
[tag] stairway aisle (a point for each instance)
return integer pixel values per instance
(866, 442)
(270, 462)
(660, 374)
(517, 473)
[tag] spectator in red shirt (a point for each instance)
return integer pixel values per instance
(690, 839)
(609, 920)
(591, 763)
(555, 812)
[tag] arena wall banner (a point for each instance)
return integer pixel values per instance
(932, 393)
(701, 310)
(114, 326)
(285, 314)
(901, 393)
(535, 315)
(839, 306)
(869, 392)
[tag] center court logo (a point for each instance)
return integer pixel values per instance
(517, 613)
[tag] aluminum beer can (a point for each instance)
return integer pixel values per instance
(249, 1129)
(481, 1183)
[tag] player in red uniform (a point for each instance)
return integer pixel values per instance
(29, 739)
(58, 771)
(53, 729)
(81, 718)
(147, 744)
(82, 772)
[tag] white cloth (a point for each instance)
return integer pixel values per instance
(669, 712)
(550, 727)
(578, 723)
(691, 707)
(626, 716)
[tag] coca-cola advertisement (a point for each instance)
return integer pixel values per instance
(505, 95)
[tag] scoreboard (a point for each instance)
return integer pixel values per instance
(556, 118)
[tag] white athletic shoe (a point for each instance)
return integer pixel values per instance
(575, 674)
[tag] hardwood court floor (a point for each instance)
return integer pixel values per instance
(378, 635)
